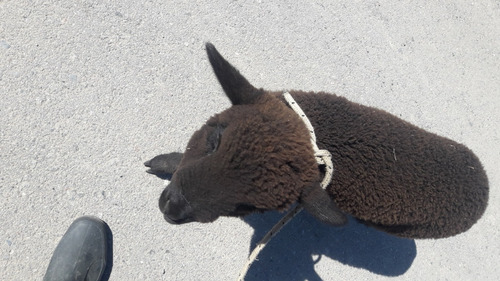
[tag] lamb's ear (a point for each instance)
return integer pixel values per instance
(318, 203)
(164, 165)
(236, 87)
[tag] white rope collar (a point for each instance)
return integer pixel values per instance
(323, 157)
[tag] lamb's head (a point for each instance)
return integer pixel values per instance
(255, 156)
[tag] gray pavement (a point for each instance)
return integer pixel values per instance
(91, 89)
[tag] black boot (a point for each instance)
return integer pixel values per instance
(84, 253)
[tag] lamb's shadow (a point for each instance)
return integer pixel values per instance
(292, 254)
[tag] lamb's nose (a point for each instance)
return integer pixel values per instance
(174, 206)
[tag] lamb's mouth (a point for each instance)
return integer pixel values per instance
(175, 207)
(177, 221)
(176, 212)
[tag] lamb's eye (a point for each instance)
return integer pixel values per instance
(214, 138)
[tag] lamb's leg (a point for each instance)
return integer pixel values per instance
(164, 165)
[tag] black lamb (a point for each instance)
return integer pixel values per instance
(257, 156)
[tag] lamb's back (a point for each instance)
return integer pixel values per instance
(393, 175)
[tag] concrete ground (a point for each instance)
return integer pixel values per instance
(91, 89)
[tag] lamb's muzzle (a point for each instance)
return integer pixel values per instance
(174, 206)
